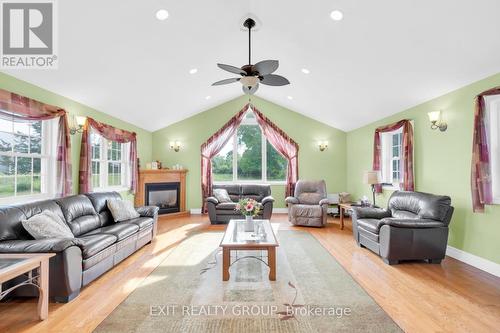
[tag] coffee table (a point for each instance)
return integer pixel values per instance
(235, 238)
(35, 269)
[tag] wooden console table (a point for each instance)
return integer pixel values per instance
(35, 268)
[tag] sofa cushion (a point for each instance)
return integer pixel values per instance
(93, 244)
(424, 205)
(372, 225)
(232, 189)
(79, 214)
(99, 201)
(47, 225)
(255, 191)
(141, 222)
(307, 211)
(221, 195)
(226, 206)
(122, 209)
(120, 230)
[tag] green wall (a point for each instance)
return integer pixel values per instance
(144, 143)
(442, 165)
(313, 164)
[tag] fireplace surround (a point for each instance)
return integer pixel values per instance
(164, 188)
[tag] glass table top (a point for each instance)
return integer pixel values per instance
(5, 263)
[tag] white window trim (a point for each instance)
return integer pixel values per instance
(386, 160)
(263, 179)
(48, 169)
(493, 114)
(103, 168)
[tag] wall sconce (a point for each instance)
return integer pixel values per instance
(436, 122)
(76, 124)
(175, 145)
(322, 145)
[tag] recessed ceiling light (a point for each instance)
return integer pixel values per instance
(208, 97)
(193, 71)
(162, 14)
(305, 71)
(336, 15)
(289, 97)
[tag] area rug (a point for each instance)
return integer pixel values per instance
(312, 293)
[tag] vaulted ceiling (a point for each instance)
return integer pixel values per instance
(383, 57)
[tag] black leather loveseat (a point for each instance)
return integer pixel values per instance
(99, 242)
(222, 212)
(413, 227)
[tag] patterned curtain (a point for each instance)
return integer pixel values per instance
(110, 133)
(19, 108)
(408, 183)
(482, 193)
(288, 148)
(212, 147)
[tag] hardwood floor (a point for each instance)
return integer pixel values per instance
(420, 297)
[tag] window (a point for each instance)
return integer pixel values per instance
(27, 159)
(248, 156)
(492, 112)
(391, 166)
(110, 164)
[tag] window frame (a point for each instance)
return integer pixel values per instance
(234, 139)
(103, 166)
(492, 113)
(387, 157)
(48, 162)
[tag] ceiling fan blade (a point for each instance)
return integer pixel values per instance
(274, 80)
(226, 81)
(251, 91)
(232, 69)
(266, 67)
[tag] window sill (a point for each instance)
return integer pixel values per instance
(250, 182)
(111, 189)
(390, 187)
(25, 199)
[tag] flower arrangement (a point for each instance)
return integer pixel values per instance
(248, 207)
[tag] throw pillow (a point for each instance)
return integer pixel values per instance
(122, 210)
(221, 195)
(47, 225)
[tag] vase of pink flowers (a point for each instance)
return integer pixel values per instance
(249, 208)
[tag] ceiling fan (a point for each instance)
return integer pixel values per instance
(252, 75)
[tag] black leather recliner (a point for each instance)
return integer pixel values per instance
(223, 212)
(413, 227)
(98, 246)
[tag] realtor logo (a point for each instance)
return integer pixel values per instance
(28, 34)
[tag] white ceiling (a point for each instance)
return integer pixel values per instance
(385, 56)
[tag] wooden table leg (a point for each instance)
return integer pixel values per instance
(226, 258)
(43, 297)
(271, 261)
(341, 211)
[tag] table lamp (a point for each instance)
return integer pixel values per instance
(371, 178)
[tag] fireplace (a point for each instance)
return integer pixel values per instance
(166, 196)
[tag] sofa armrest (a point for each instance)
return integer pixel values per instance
(267, 199)
(213, 200)
(148, 211)
(292, 200)
(411, 223)
(324, 201)
(50, 245)
(370, 213)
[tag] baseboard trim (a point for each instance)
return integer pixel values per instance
(473, 260)
(280, 210)
(195, 211)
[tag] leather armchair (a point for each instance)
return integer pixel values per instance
(413, 227)
(309, 205)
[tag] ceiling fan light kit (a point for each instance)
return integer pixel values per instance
(252, 75)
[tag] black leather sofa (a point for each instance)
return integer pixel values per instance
(98, 246)
(222, 212)
(413, 227)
